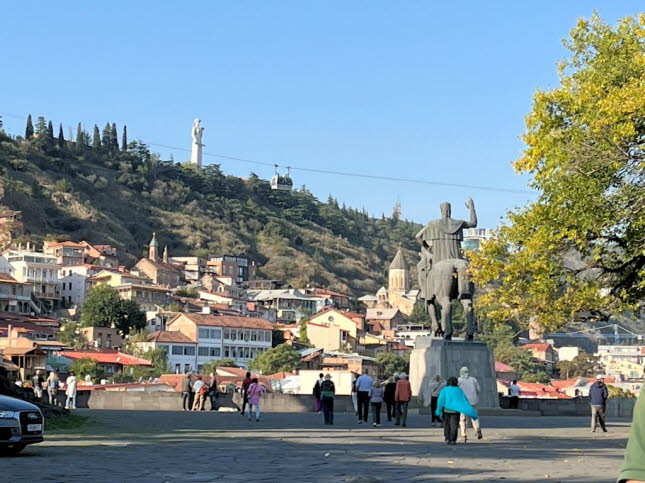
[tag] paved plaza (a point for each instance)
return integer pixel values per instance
(153, 446)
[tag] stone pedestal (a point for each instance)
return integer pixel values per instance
(432, 356)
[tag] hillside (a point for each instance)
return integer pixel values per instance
(95, 191)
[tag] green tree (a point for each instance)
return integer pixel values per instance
(96, 138)
(41, 127)
(392, 363)
(539, 376)
(61, 138)
(577, 251)
(211, 366)
(124, 139)
(71, 336)
(419, 315)
(582, 365)
(50, 130)
(114, 141)
(278, 359)
(192, 293)
(29, 130)
(85, 367)
(106, 138)
(104, 308)
(80, 140)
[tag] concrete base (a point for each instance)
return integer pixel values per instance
(432, 356)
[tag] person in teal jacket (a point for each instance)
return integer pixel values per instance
(451, 403)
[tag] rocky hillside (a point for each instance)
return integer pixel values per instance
(99, 192)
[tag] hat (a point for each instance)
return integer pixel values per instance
(402, 375)
(599, 376)
(328, 376)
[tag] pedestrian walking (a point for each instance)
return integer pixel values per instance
(633, 469)
(316, 392)
(354, 394)
(212, 392)
(451, 403)
(514, 393)
(436, 385)
(376, 401)
(327, 394)
(388, 397)
(200, 390)
(70, 391)
(52, 387)
(187, 393)
(471, 389)
(254, 393)
(245, 389)
(363, 385)
(598, 394)
(402, 396)
(37, 381)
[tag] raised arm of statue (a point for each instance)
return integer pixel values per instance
(473, 216)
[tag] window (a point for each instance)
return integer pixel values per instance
(186, 368)
(234, 353)
(246, 335)
(203, 351)
(227, 351)
(233, 334)
(200, 367)
(70, 285)
(189, 350)
(204, 333)
(247, 353)
(216, 334)
(254, 335)
(268, 336)
(177, 350)
(215, 352)
(227, 334)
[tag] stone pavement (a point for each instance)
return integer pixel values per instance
(150, 446)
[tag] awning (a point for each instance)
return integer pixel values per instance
(8, 365)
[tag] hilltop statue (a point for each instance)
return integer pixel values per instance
(442, 270)
(196, 152)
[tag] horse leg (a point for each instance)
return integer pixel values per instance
(432, 311)
(467, 304)
(446, 317)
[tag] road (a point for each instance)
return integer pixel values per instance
(152, 446)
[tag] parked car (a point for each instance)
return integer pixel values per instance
(21, 423)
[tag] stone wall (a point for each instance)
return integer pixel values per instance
(616, 407)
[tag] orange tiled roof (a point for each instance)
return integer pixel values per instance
(499, 367)
(226, 321)
(539, 347)
(169, 336)
(107, 357)
(5, 277)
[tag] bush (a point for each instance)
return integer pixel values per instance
(63, 186)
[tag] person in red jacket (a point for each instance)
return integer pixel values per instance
(402, 396)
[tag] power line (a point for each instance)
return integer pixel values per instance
(340, 173)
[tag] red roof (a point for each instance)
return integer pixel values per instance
(538, 347)
(169, 336)
(324, 291)
(107, 357)
(499, 367)
(226, 321)
(5, 277)
(65, 244)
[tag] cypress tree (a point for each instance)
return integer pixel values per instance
(79, 136)
(124, 139)
(50, 130)
(114, 138)
(106, 138)
(41, 127)
(96, 138)
(29, 130)
(61, 138)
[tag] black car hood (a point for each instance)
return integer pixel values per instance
(12, 404)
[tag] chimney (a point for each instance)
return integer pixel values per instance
(206, 309)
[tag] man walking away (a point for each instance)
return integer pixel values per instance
(186, 393)
(245, 390)
(598, 394)
(327, 393)
(200, 393)
(402, 396)
(376, 401)
(37, 382)
(388, 397)
(316, 392)
(514, 393)
(435, 388)
(363, 385)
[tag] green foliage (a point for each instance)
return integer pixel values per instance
(392, 363)
(619, 392)
(577, 251)
(96, 138)
(85, 367)
(124, 139)
(70, 335)
(278, 359)
(539, 376)
(211, 366)
(63, 186)
(582, 365)
(419, 315)
(29, 130)
(104, 308)
(192, 293)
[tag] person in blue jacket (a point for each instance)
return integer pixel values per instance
(453, 402)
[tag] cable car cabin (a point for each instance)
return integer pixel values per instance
(281, 183)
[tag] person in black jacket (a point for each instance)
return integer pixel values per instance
(187, 392)
(316, 392)
(212, 392)
(327, 393)
(598, 394)
(388, 397)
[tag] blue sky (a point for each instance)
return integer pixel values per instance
(414, 89)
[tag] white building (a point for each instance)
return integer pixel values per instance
(181, 350)
(473, 237)
(38, 269)
(74, 286)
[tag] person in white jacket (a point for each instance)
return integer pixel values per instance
(471, 389)
(70, 392)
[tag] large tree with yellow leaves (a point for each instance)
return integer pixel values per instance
(579, 249)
